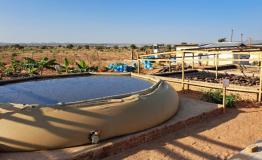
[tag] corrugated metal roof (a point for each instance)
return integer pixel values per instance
(257, 42)
(223, 45)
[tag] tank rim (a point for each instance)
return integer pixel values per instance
(107, 99)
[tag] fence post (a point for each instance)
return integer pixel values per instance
(216, 59)
(225, 85)
(260, 79)
(207, 59)
(193, 61)
(183, 70)
(169, 63)
(224, 98)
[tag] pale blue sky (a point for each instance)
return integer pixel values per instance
(128, 21)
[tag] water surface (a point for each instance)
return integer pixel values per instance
(53, 91)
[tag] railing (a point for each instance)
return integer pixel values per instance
(215, 61)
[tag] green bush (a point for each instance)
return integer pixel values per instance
(255, 63)
(100, 48)
(70, 46)
(116, 47)
(216, 96)
(87, 47)
(2, 66)
(66, 65)
(82, 66)
(33, 67)
(16, 65)
(8, 71)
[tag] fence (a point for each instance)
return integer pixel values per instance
(214, 52)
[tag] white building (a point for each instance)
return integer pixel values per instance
(229, 55)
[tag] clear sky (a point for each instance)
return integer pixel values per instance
(128, 21)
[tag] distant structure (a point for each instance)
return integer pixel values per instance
(228, 45)
(158, 48)
(232, 34)
(180, 47)
(184, 46)
(155, 48)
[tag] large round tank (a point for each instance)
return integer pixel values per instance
(58, 113)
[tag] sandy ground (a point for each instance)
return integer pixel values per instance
(217, 138)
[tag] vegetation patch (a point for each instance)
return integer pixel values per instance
(216, 96)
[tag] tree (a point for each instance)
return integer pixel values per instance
(87, 46)
(79, 47)
(133, 46)
(18, 46)
(43, 47)
(100, 47)
(116, 47)
(222, 40)
(144, 48)
(70, 46)
(168, 48)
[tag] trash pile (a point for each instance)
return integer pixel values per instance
(149, 64)
(121, 67)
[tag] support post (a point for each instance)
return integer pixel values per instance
(260, 79)
(132, 54)
(169, 63)
(224, 98)
(207, 58)
(225, 85)
(193, 60)
(216, 61)
(183, 70)
(187, 86)
(138, 64)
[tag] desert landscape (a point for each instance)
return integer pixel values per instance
(131, 80)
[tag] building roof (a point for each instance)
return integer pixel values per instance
(186, 45)
(258, 42)
(223, 45)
